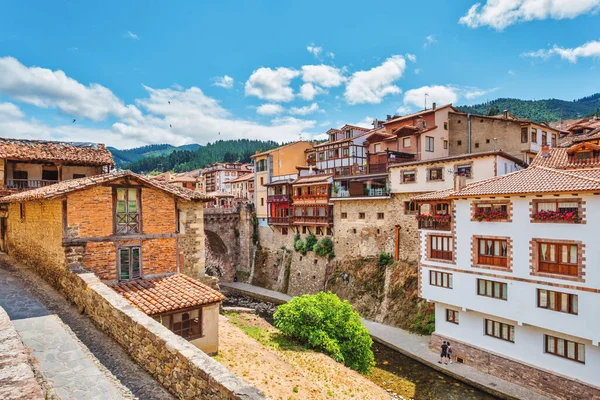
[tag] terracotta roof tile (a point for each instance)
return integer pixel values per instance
(72, 185)
(558, 157)
(439, 195)
(242, 178)
(167, 293)
(61, 152)
(416, 114)
(318, 178)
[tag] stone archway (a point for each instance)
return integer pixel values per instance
(219, 261)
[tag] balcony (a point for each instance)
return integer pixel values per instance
(26, 184)
(316, 196)
(437, 222)
(278, 220)
(375, 192)
(278, 198)
(313, 220)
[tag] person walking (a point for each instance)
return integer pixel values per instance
(449, 352)
(444, 353)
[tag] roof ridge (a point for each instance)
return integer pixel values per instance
(562, 172)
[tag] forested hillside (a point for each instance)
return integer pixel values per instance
(540, 110)
(186, 160)
(151, 150)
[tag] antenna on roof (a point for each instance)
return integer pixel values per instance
(426, 94)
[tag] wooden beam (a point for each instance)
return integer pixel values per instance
(118, 238)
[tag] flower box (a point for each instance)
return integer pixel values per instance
(557, 216)
(490, 215)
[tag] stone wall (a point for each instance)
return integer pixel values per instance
(308, 273)
(191, 239)
(17, 380)
(178, 365)
(552, 385)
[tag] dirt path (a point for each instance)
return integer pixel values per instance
(283, 370)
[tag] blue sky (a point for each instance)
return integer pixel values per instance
(277, 70)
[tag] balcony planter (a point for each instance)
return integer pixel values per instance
(492, 215)
(433, 217)
(557, 216)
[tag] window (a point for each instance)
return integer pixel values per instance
(129, 263)
(564, 348)
(321, 156)
(262, 201)
(435, 174)
(459, 142)
(262, 180)
(495, 290)
(500, 330)
(554, 140)
(557, 301)
(458, 121)
(441, 247)
(487, 141)
(361, 215)
(186, 324)
(492, 252)
(533, 135)
(464, 170)
(344, 215)
(20, 175)
(556, 211)
(445, 145)
(452, 316)
(304, 230)
(523, 135)
(406, 142)
(21, 212)
(380, 215)
(410, 207)
(127, 211)
(78, 176)
(408, 176)
(491, 211)
(319, 231)
(544, 138)
(329, 231)
(441, 279)
(429, 143)
(558, 258)
(446, 125)
(476, 145)
(345, 152)
(377, 147)
(284, 230)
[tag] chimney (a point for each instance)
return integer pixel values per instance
(314, 142)
(505, 113)
(434, 106)
(421, 124)
(460, 181)
(545, 151)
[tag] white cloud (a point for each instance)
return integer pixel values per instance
(269, 109)
(10, 111)
(224, 81)
(417, 71)
(411, 57)
(322, 75)
(366, 122)
(325, 123)
(589, 49)
(429, 40)
(373, 85)
(131, 35)
(321, 136)
(437, 93)
(308, 91)
(271, 84)
(54, 89)
(499, 14)
(314, 50)
(331, 54)
(314, 107)
(73, 49)
(403, 110)
(471, 92)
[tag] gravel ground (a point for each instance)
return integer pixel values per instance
(108, 352)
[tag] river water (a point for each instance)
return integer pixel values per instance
(394, 372)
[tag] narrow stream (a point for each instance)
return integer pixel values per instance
(394, 372)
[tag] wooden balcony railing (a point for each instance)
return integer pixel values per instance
(278, 220)
(439, 223)
(312, 219)
(320, 196)
(25, 184)
(278, 198)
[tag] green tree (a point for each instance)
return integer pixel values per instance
(326, 323)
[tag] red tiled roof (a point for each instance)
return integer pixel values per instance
(460, 157)
(418, 113)
(438, 195)
(558, 157)
(242, 178)
(61, 188)
(59, 152)
(167, 293)
(593, 135)
(319, 178)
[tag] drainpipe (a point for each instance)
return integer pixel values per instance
(469, 133)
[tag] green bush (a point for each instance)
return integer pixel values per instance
(385, 259)
(323, 247)
(311, 240)
(326, 323)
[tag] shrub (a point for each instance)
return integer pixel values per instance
(385, 259)
(323, 247)
(311, 240)
(326, 323)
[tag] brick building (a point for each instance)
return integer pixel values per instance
(216, 175)
(511, 269)
(29, 164)
(126, 229)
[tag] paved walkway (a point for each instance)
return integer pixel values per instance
(411, 345)
(76, 359)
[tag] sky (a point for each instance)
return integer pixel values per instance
(131, 73)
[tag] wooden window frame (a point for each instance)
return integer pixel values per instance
(572, 301)
(171, 315)
(511, 332)
(546, 266)
(410, 212)
(452, 316)
(439, 276)
(447, 242)
(493, 260)
(524, 135)
(544, 138)
(459, 166)
(131, 276)
(127, 231)
(404, 142)
(502, 285)
(429, 144)
(380, 215)
(554, 352)
(533, 135)
(579, 219)
(441, 174)
(497, 206)
(344, 215)
(403, 173)
(362, 215)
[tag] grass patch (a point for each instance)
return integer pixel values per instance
(269, 337)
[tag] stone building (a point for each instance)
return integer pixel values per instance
(123, 227)
(216, 175)
(518, 137)
(512, 271)
(29, 164)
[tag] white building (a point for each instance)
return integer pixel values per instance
(513, 270)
